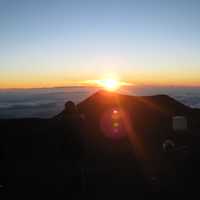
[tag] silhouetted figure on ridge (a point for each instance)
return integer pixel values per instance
(70, 108)
(73, 124)
(73, 144)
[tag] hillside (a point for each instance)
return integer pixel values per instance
(116, 143)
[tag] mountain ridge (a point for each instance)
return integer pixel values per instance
(59, 148)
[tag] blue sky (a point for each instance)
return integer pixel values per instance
(57, 42)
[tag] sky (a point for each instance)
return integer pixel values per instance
(48, 43)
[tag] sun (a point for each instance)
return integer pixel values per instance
(109, 84)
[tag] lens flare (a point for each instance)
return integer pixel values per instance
(112, 125)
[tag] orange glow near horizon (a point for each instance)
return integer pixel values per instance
(110, 84)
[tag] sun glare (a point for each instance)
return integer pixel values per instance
(109, 84)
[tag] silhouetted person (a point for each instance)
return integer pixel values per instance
(70, 108)
(70, 126)
(73, 122)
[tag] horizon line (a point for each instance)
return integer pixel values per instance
(96, 86)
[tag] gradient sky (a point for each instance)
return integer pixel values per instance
(45, 43)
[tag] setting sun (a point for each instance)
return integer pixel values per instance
(109, 84)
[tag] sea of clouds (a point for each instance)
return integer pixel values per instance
(45, 103)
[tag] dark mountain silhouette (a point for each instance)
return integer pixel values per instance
(110, 146)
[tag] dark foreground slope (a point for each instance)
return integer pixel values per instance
(115, 148)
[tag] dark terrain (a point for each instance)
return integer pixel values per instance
(63, 156)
